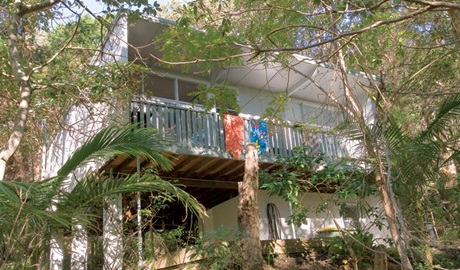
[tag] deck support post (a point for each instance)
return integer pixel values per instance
(248, 212)
(57, 250)
(113, 233)
(79, 255)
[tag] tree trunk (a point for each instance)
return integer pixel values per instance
(449, 170)
(389, 208)
(454, 15)
(372, 146)
(25, 89)
(248, 212)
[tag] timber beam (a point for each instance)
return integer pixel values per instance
(200, 183)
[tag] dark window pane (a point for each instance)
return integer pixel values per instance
(156, 86)
(185, 91)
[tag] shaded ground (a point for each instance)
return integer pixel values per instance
(289, 263)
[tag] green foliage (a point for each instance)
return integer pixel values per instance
(418, 162)
(176, 48)
(414, 53)
(303, 173)
(277, 106)
(219, 250)
(173, 239)
(31, 211)
(220, 96)
(56, 51)
(447, 258)
(351, 246)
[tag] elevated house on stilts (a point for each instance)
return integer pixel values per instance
(207, 147)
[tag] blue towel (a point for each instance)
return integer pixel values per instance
(259, 135)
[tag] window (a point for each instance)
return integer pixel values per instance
(169, 88)
(351, 216)
(185, 91)
(156, 86)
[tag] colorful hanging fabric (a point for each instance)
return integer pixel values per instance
(259, 135)
(234, 132)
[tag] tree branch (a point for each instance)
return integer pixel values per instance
(350, 33)
(77, 24)
(199, 60)
(24, 9)
(436, 4)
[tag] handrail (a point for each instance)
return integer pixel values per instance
(195, 128)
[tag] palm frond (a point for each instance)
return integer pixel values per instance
(30, 211)
(112, 141)
(418, 158)
(449, 110)
(94, 188)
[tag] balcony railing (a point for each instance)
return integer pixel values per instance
(193, 128)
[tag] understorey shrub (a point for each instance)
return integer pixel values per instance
(218, 250)
(351, 246)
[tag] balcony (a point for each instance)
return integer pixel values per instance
(194, 131)
(201, 164)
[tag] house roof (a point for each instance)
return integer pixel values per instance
(305, 79)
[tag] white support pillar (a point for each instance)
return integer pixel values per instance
(57, 248)
(139, 218)
(113, 233)
(79, 247)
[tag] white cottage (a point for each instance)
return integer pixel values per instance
(204, 163)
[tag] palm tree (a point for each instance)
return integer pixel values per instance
(31, 212)
(417, 164)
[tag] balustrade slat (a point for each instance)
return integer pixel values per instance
(206, 130)
(148, 117)
(212, 130)
(155, 117)
(188, 124)
(171, 124)
(194, 128)
(182, 123)
(287, 140)
(221, 136)
(283, 145)
(274, 140)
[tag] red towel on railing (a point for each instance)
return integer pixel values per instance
(234, 132)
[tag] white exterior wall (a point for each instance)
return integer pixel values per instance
(253, 101)
(116, 43)
(225, 214)
(82, 122)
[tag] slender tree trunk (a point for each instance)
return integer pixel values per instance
(248, 212)
(391, 216)
(372, 146)
(25, 90)
(21, 74)
(449, 170)
(454, 15)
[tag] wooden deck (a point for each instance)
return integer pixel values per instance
(201, 164)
